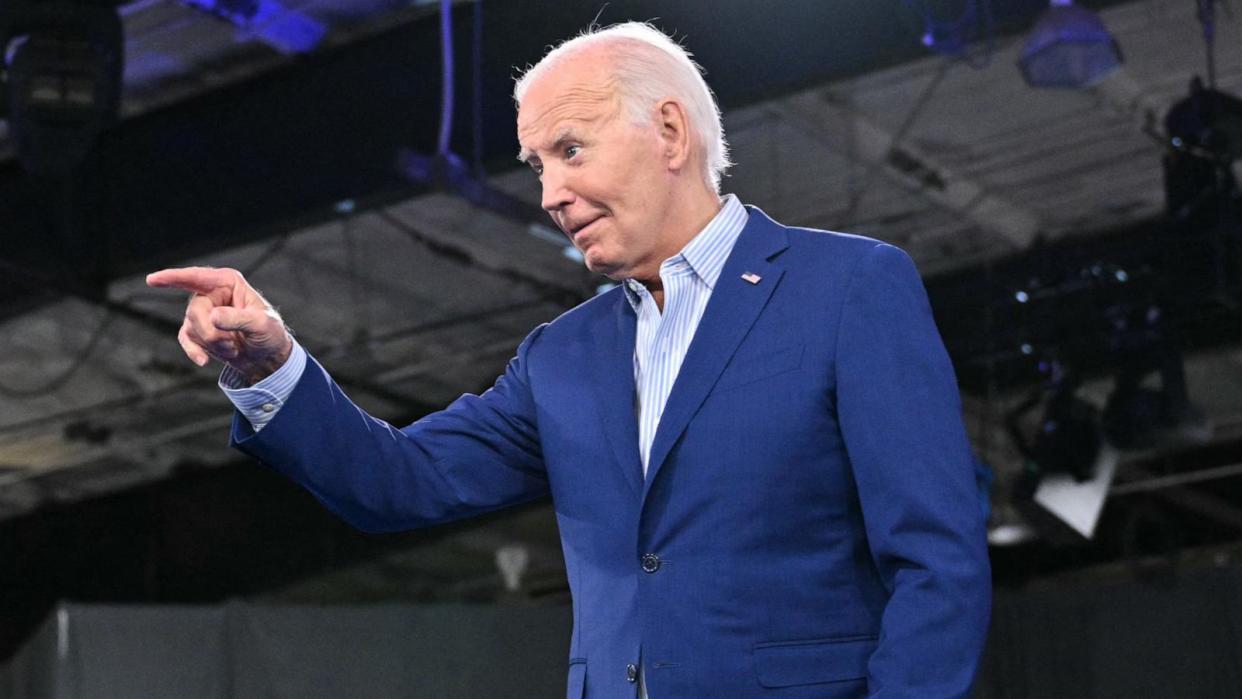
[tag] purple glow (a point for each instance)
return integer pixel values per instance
(288, 31)
(1069, 48)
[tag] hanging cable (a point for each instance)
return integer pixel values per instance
(1207, 18)
(565, 295)
(477, 80)
(57, 382)
(446, 88)
(899, 136)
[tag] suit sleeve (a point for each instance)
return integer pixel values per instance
(900, 416)
(479, 454)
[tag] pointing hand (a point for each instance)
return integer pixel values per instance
(227, 319)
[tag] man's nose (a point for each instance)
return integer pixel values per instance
(556, 193)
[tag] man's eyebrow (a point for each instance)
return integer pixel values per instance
(565, 134)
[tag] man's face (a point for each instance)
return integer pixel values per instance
(604, 179)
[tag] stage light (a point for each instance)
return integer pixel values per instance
(63, 80)
(1069, 438)
(1075, 502)
(1069, 467)
(284, 29)
(1206, 124)
(1011, 534)
(1069, 48)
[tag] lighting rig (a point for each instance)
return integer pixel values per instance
(61, 80)
(1121, 306)
(285, 29)
(1069, 48)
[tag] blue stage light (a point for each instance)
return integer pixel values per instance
(1069, 48)
(286, 30)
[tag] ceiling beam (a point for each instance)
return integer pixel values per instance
(830, 117)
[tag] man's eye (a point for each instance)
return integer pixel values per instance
(537, 167)
(571, 151)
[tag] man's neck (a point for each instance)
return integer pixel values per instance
(692, 222)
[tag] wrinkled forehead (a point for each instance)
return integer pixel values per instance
(572, 91)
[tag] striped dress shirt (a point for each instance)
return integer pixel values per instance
(661, 340)
(259, 403)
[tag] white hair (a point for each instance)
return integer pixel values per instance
(649, 66)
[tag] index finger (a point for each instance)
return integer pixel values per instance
(202, 280)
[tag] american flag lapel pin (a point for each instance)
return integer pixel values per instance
(752, 277)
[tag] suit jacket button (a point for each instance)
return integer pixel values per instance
(651, 563)
(631, 673)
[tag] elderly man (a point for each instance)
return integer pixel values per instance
(753, 446)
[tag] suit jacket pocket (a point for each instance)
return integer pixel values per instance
(791, 663)
(576, 688)
(754, 367)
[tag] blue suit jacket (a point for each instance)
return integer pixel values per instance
(810, 496)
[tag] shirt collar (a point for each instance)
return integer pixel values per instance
(707, 251)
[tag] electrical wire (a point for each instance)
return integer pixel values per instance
(568, 296)
(907, 124)
(1207, 18)
(446, 88)
(477, 92)
(57, 382)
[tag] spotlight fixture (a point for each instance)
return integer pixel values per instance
(1206, 124)
(1067, 439)
(1138, 416)
(61, 81)
(1068, 468)
(1069, 48)
(288, 30)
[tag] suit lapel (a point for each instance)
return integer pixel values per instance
(734, 305)
(613, 378)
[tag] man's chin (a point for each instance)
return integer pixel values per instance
(604, 267)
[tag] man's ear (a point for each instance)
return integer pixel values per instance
(674, 133)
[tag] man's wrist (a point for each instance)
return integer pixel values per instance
(255, 372)
(260, 401)
(235, 379)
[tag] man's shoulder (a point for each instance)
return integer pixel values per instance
(832, 241)
(818, 240)
(817, 246)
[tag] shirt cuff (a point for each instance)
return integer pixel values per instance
(260, 403)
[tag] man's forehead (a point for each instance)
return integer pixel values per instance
(562, 97)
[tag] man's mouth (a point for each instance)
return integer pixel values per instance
(578, 228)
